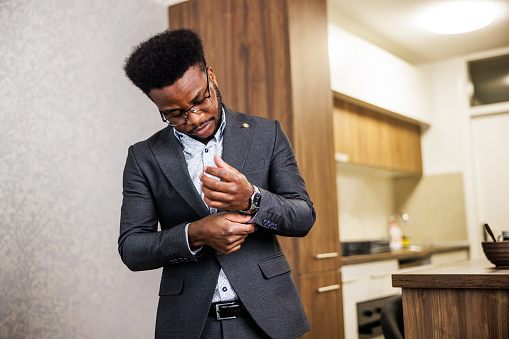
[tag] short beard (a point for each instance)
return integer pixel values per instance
(219, 108)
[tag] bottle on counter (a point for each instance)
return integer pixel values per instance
(395, 236)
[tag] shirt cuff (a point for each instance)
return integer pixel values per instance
(187, 240)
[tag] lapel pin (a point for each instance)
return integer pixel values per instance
(245, 125)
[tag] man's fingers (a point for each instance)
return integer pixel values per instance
(231, 250)
(216, 203)
(238, 230)
(219, 190)
(214, 184)
(238, 218)
(221, 163)
(223, 171)
(224, 174)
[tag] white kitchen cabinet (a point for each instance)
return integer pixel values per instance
(363, 282)
(447, 258)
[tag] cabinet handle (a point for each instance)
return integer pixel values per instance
(328, 288)
(326, 255)
(380, 276)
(349, 281)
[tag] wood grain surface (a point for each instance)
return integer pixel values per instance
(374, 139)
(466, 300)
(456, 313)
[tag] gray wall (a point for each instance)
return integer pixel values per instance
(68, 115)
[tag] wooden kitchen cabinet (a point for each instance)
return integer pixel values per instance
(322, 299)
(369, 138)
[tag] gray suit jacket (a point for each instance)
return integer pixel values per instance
(158, 189)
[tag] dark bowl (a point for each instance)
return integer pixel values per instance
(497, 252)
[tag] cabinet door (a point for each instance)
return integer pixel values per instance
(377, 140)
(357, 133)
(448, 258)
(322, 299)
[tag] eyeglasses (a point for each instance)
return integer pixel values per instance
(200, 107)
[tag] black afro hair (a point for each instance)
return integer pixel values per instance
(164, 58)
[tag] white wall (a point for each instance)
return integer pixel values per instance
(490, 140)
(368, 73)
(448, 145)
(442, 143)
(365, 202)
(68, 115)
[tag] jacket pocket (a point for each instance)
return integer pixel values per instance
(171, 285)
(274, 266)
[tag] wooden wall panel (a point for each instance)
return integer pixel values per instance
(246, 44)
(312, 126)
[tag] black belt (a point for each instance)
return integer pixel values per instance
(227, 310)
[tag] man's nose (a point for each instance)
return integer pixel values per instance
(194, 119)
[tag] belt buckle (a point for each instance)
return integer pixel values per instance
(218, 316)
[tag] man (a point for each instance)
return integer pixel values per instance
(221, 185)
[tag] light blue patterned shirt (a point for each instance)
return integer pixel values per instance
(197, 156)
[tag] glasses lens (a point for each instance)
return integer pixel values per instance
(203, 106)
(179, 120)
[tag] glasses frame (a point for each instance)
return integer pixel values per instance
(193, 109)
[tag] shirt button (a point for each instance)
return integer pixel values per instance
(206, 150)
(225, 289)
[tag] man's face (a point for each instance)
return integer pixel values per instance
(185, 93)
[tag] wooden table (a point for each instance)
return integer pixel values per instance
(466, 300)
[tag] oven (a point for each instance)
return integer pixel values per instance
(368, 318)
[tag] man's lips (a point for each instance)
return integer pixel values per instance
(202, 127)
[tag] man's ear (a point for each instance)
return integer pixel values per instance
(212, 75)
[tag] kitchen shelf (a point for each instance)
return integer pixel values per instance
(345, 167)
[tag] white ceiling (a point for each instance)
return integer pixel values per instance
(391, 25)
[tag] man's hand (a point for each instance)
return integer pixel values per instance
(224, 231)
(231, 192)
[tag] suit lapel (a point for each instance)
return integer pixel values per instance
(237, 138)
(170, 157)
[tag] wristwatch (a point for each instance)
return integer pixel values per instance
(254, 202)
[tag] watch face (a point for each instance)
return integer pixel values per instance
(256, 200)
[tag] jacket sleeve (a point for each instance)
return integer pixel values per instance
(285, 206)
(140, 244)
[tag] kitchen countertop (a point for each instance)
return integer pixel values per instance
(470, 274)
(411, 253)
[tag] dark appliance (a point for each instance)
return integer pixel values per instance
(368, 317)
(349, 248)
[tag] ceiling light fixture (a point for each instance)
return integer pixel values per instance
(457, 17)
